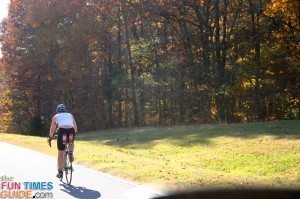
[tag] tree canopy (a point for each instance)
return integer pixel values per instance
(149, 62)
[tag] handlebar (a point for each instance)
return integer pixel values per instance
(50, 139)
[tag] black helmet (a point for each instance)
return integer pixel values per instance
(61, 108)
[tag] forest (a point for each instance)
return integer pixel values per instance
(121, 63)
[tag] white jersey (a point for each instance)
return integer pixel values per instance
(64, 120)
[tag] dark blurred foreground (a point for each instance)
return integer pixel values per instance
(236, 194)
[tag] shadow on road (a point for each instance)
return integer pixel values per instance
(80, 192)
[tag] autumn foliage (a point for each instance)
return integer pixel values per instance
(149, 62)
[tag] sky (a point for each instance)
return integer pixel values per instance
(3, 9)
(3, 13)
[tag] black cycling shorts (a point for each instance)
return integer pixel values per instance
(60, 144)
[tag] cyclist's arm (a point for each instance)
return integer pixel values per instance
(52, 128)
(75, 125)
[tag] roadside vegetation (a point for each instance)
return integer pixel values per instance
(250, 154)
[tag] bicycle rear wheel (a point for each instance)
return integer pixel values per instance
(68, 169)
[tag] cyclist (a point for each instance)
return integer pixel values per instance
(65, 124)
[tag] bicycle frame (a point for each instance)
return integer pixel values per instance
(68, 168)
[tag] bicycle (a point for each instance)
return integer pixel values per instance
(68, 167)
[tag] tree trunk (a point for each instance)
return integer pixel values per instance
(218, 63)
(256, 39)
(132, 70)
(119, 66)
(204, 77)
(109, 91)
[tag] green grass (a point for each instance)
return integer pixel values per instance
(256, 154)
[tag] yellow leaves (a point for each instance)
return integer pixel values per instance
(246, 84)
(5, 114)
(288, 10)
(159, 24)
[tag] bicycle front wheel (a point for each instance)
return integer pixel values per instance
(68, 169)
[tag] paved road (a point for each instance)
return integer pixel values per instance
(26, 165)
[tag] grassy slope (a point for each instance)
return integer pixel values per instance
(266, 154)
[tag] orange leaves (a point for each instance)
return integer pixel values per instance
(287, 10)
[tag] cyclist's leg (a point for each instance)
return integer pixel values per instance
(60, 163)
(71, 138)
(60, 157)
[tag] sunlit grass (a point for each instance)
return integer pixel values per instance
(258, 154)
